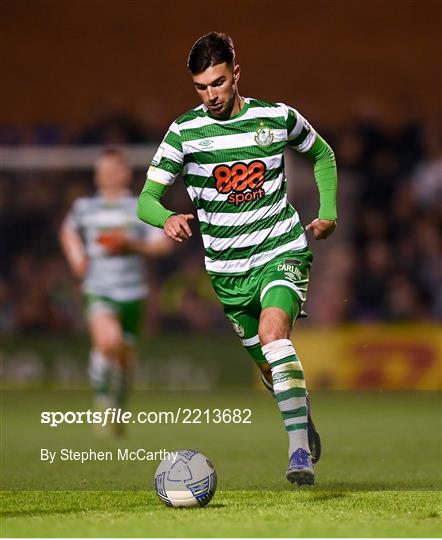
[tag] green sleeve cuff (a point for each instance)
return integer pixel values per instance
(326, 177)
(149, 209)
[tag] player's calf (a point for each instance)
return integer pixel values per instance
(314, 439)
(290, 393)
(99, 375)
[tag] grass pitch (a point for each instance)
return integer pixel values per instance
(231, 513)
(380, 474)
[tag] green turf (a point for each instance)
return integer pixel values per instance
(380, 474)
(292, 514)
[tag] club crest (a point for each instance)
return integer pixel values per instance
(238, 329)
(264, 135)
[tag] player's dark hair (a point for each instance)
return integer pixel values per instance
(210, 50)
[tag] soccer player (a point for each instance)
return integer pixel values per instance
(230, 153)
(104, 244)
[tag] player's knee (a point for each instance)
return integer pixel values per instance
(109, 346)
(108, 339)
(267, 335)
(272, 332)
(273, 325)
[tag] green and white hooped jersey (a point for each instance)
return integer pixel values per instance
(234, 173)
(119, 277)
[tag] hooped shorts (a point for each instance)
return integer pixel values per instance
(280, 283)
(129, 313)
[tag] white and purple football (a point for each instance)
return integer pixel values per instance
(188, 478)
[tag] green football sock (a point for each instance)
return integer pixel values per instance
(289, 389)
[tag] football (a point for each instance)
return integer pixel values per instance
(188, 478)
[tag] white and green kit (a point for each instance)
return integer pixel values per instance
(255, 248)
(115, 283)
(234, 173)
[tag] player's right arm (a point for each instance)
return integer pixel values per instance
(72, 245)
(166, 165)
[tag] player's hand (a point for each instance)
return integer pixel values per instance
(177, 228)
(322, 228)
(115, 242)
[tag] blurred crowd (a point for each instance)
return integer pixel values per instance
(396, 270)
(109, 124)
(383, 264)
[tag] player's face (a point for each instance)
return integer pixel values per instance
(111, 173)
(217, 87)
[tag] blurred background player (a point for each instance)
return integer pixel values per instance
(104, 243)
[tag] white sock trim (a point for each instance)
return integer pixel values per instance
(276, 350)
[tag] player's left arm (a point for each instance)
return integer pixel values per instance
(327, 181)
(304, 139)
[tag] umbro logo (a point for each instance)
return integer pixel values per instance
(206, 143)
